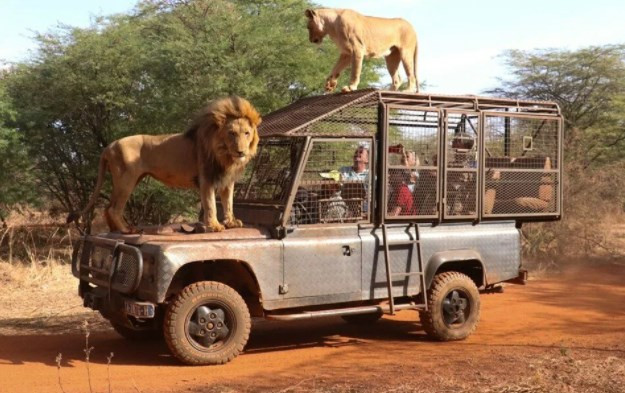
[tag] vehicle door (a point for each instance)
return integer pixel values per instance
(322, 248)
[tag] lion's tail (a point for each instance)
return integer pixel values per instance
(416, 57)
(102, 167)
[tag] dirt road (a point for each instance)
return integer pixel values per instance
(579, 315)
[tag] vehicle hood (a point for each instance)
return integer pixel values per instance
(174, 233)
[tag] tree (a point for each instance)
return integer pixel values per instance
(148, 72)
(588, 85)
(17, 185)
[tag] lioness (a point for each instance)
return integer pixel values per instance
(357, 36)
(210, 155)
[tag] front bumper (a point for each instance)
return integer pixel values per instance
(114, 307)
(110, 273)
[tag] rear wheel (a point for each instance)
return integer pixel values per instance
(453, 307)
(207, 323)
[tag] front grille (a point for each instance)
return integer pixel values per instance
(95, 258)
(128, 265)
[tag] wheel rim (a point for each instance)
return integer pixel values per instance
(456, 308)
(210, 326)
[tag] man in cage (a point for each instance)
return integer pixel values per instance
(356, 176)
(360, 169)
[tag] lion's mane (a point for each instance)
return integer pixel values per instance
(208, 133)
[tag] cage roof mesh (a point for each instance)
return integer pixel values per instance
(297, 118)
(356, 113)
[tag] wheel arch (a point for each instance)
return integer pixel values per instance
(236, 274)
(468, 262)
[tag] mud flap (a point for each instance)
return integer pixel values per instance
(521, 279)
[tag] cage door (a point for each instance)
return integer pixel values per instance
(411, 163)
(462, 149)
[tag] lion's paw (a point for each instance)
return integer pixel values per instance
(215, 227)
(234, 223)
(347, 89)
(130, 230)
(331, 85)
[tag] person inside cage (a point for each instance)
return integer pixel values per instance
(400, 201)
(360, 169)
(402, 183)
(356, 177)
(410, 160)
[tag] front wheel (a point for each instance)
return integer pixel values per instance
(207, 323)
(453, 307)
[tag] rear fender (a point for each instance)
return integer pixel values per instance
(468, 262)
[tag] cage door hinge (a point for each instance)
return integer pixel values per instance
(283, 289)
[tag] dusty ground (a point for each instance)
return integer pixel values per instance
(560, 333)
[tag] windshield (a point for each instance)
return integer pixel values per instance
(267, 178)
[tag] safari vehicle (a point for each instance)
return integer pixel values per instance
(426, 219)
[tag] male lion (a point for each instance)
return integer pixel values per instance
(357, 36)
(210, 155)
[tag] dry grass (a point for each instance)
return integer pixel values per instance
(35, 277)
(41, 299)
(569, 374)
(37, 290)
(36, 244)
(38, 294)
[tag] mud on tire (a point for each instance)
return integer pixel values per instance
(453, 307)
(207, 323)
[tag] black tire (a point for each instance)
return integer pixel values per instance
(207, 323)
(137, 335)
(362, 319)
(453, 307)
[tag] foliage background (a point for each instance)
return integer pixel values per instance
(148, 72)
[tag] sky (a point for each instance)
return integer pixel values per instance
(460, 42)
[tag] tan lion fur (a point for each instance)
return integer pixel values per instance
(358, 36)
(210, 155)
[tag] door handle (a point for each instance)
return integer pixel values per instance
(347, 251)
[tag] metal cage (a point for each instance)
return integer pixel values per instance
(431, 158)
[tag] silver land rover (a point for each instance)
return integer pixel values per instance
(356, 205)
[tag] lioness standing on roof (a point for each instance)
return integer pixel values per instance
(357, 36)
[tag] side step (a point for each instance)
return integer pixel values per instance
(383, 308)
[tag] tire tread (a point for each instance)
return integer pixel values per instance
(220, 291)
(436, 291)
